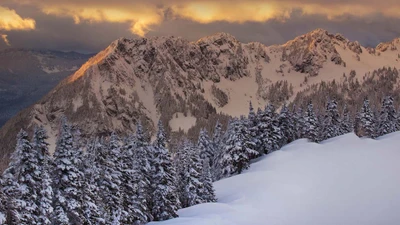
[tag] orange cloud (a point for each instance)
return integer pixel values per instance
(10, 20)
(5, 39)
(142, 15)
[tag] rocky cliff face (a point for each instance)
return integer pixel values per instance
(177, 81)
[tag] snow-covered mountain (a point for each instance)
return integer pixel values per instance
(344, 180)
(26, 75)
(182, 82)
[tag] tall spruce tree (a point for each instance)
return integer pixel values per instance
(45, 191)
(218, 152)
(387, 120)
(270, 132)
(347, 123)
(285, 121)
(208, 192)
(366, 121)
(310, 127)
(111, 182)
(298, 122)
(253, 128)
(205, 146)
(165, 199)
(238, 149)
(67, 180)
(331, 122)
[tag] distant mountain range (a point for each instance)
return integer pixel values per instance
(188, 83)
(27, 75)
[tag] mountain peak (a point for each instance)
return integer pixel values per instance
(219, 37)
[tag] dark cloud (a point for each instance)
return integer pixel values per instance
(62, 33)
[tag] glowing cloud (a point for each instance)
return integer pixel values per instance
(10, 20)
(5, 39)
(142, 15)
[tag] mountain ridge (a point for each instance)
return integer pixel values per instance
(170, 78)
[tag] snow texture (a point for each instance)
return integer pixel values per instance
(343, 180)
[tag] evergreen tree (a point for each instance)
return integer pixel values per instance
(286, 126)
(387, 122)
(3, 211)
(218, 152)
(205, 146)
(110, 185)
(165, 199)
(142, 156)
(310, 128)
(347, 124)
(366, 121)
(45, 191)
(67, 180)
(189, 172)
(270, 132)
(92, 211)
(208, 193)
(238, 149)
(253, 128)
(298, 122)
(331, 123)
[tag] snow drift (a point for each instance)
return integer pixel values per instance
(344, 180)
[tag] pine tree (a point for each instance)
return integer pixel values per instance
(67, 180)
(189, 172)
(143, 168)
(207, 193)
(331, 122)
(45, 191)
(298, 122)
(347, 124)
(387, 122)
(310, 128)
(3, 211)
(165, 199)
(205, 146)
(238, 149)
(366, 121)
(253, 128)
(111, 178)
(92, 212)
(26, 176)
(218, 152)
(270, 132)
(286, 126)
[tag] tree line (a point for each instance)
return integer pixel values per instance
(113, 180)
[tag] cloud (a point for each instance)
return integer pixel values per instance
(5, 39)
(10, 20)
(143, 15)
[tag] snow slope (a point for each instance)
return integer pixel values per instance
(344, 180)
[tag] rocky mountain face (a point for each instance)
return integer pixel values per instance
(187, 83)
(27, 75)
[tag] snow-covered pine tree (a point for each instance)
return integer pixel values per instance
(270, 132)
(205, 146)
(298, 122)
(27, 175)
(15, 206)
(165, 198)
(189, 170)
(253, 128)
(92, 210)
(286, 126)
(366, 120)
(331, 122)
(310, 127)
(143, 167)
(3, 211)
(45, 191)
(218, 148)
(67, 180)
(347, 124)
(387, 120)
(208, 193)
(238, 149)
(111, 182)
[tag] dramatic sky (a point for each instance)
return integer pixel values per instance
(90, 25)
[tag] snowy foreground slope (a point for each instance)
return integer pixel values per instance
(344, 180)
